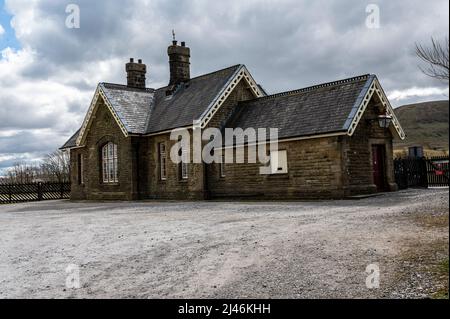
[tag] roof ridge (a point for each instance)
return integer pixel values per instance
(206, 74)
(313, 87)
(217, 71)
(123, 86)
(153, 90)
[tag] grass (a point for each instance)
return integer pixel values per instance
(431, 259)
(441, 272)
(425, 124)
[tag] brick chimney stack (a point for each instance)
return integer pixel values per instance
(179, 56)
(136, 74)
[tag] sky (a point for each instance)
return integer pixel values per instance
(48, 72)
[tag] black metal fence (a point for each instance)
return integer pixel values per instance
(421, 172)
(15, 193)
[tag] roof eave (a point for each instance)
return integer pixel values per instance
(99, 93)
(240, 74)
(371, 87)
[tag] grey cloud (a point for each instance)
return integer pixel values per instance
(29, 142)
(285, 44)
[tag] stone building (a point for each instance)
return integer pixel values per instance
(332, 138)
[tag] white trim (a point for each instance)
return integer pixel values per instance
(390, 111)
(241, 73)
(92, 110)
(361, 109)
(375, 88)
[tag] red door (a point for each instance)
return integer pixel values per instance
(378, 167)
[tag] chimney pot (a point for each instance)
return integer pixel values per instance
(179, 62)
(174, 42)
(136, 73)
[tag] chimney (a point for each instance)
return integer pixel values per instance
(179, 63)
(136, 74)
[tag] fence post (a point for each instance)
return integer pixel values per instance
(39, 191)
(61, 185)
(424, 169)
(10, 193)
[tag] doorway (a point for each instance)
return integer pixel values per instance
(378, 165)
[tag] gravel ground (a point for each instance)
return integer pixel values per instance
(224, 249)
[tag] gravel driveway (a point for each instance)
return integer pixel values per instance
(222, 249)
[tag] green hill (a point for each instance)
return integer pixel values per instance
(425, 124)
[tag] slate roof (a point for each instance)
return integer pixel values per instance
(131, 105)
(151, 111)
(319, 109)
(72, 141)
(188, 102)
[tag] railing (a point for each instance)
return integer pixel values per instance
(437, 171)
(15, 193)
(421, 172)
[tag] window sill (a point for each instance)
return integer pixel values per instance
(278, 176)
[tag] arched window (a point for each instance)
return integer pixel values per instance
(109, 162)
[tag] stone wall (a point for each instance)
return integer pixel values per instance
(357, 154)
(174, 187)
(327, 167)
(104, 129)
(314, 171)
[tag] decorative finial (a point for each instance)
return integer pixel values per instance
(173, 34)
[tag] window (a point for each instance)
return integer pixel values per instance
(80, 169)
(109, 162)
(222, 166)
(184, 164)
(278, 162)
(162, 161)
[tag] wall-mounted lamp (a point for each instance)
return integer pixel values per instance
(384, 120)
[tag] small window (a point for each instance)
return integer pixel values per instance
(109, 162)
(278, 162)
(80, 169)
(162, 161)
(184, 173)
(222, 167)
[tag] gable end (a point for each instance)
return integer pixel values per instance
(91, 111)
(372, 87)
(241, 73)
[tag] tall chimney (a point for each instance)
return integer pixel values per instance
(136, 74)
(179, 63)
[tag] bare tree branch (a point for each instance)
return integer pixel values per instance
(436, 58)
(54, 168)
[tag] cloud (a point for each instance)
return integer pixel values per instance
(47, 84)
(417, 92)
(2, 30)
